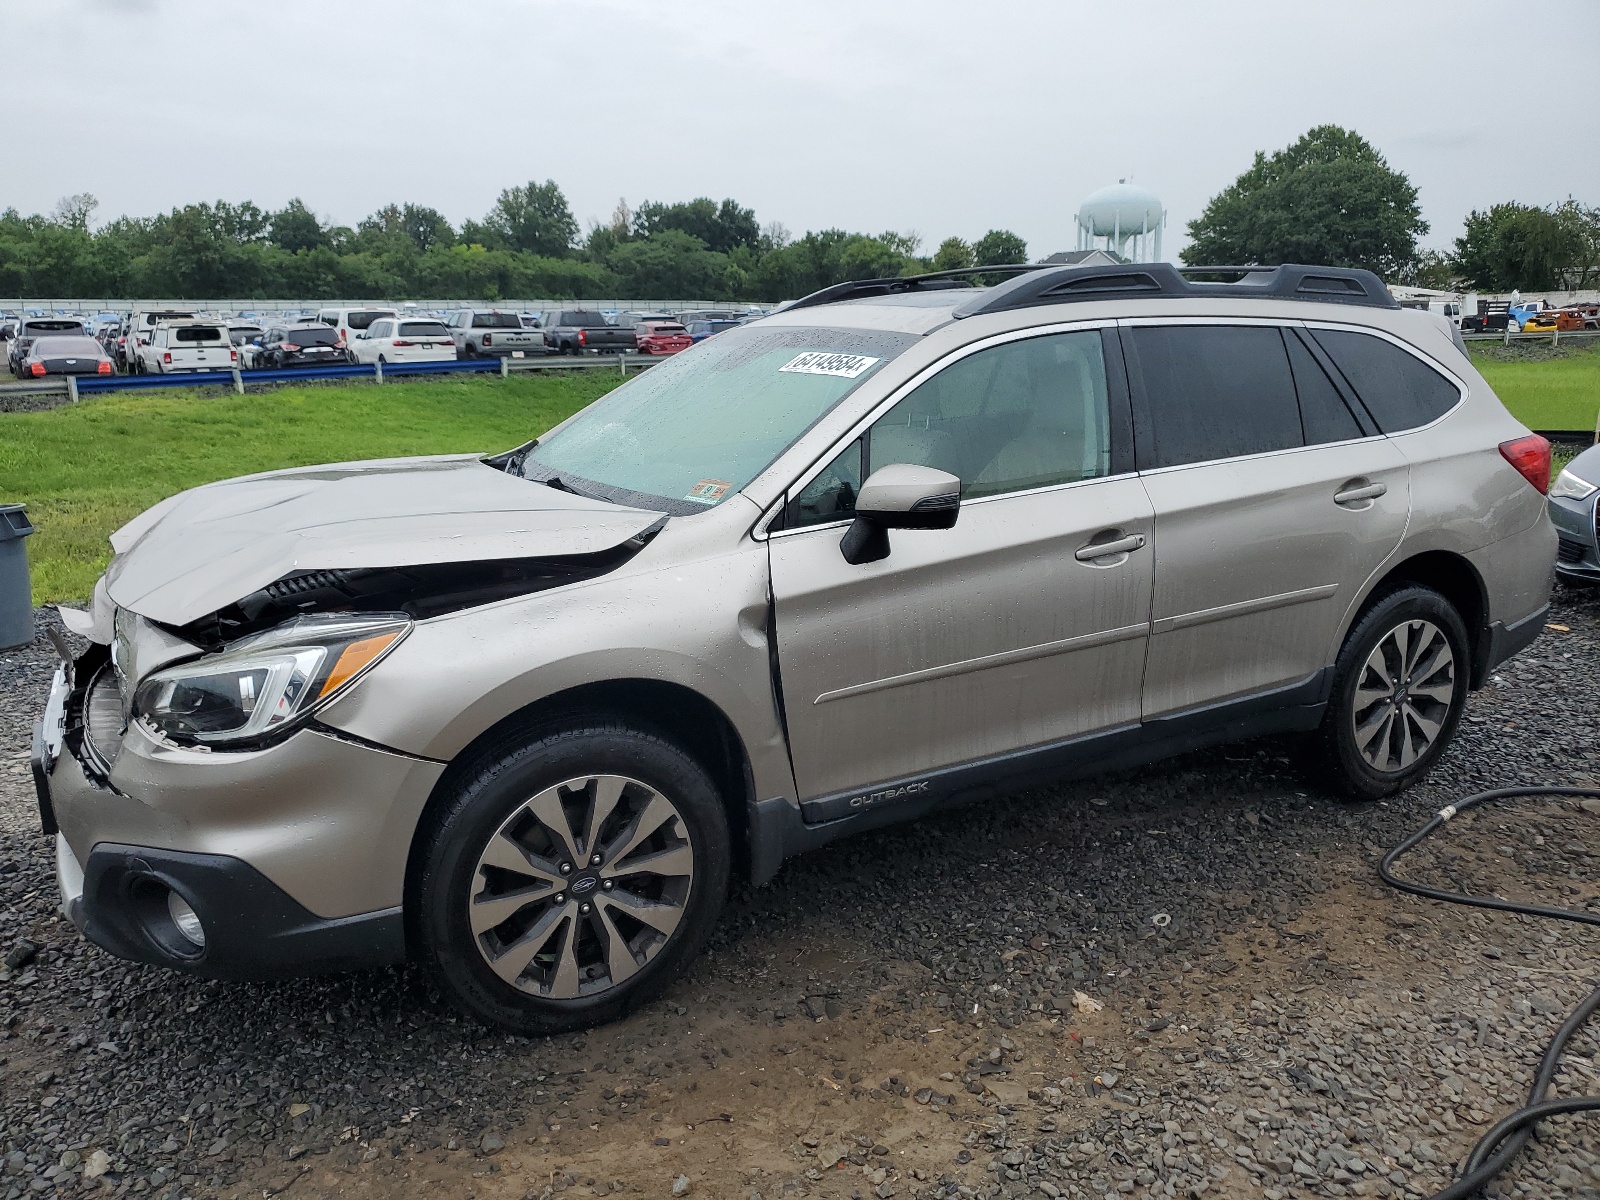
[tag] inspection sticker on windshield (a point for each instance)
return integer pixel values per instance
(819, 362)
(708, 491)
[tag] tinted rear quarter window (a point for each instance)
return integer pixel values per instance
(1214, 392)
(1398, 388)
(1323, 413)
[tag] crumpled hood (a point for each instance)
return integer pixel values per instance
(202, 549)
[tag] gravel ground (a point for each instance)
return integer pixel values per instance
(1183, 981)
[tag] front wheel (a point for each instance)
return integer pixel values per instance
(1399, 688)
(572, 879)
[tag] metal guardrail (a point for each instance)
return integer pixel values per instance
(75, 386)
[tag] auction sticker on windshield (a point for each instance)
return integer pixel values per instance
(708, 491)
(819, 362)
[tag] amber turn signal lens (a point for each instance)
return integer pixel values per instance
(353, 658)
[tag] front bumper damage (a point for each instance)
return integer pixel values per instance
(293, 858)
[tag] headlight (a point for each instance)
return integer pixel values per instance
(1569, 487)
(264, 685)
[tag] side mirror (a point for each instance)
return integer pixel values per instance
(361, 337)
(899, 496)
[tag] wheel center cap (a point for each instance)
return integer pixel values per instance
(584, 884)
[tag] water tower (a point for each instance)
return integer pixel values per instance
(1128, 219)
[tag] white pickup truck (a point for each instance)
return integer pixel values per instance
(179, 346)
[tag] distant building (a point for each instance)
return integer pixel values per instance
(1084, 258)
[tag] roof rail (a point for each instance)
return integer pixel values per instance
(932, 281)
(1134, 281)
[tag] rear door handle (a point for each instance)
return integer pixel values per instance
(1357, 494)
(1096, 550)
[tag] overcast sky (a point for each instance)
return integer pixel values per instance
(943, 118)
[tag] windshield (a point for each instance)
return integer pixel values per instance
(312, 335)
(687, 434)
(62, 347)
(431, 329)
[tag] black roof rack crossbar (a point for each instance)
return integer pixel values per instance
(931, 281)
(1134, 281)
(1048, 283)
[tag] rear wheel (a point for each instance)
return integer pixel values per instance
(1399, 688)
(572, 879)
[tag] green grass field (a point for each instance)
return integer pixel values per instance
(1543, 391)
(85, 469)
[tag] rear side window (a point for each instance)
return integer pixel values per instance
(1399, 389)
(1323, 413)
(1214, 392)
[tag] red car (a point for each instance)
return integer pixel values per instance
(660, 337)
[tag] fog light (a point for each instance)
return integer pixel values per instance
(186, 919)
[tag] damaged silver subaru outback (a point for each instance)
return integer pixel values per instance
(524, 718)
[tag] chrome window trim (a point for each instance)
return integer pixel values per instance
(760, 531)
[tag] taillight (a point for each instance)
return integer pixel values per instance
(1531, 457)
(103, 369)
(583, 338)
(167, 356)
(37, 368)
(488, 339)
(234, 355)
(290, 346)
(339, 345)
(397, 345)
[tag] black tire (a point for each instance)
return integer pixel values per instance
(464, 825)
(1337, 749)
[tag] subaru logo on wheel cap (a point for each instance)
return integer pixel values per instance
(583, 886)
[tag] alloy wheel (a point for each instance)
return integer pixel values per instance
(1403, 696)
(581, 887)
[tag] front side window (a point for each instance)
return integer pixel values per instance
(1021, 415)
(1398, 388)
(1215, 391)
(691, 432)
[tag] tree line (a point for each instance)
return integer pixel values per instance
(1331, 198)
(527, 245)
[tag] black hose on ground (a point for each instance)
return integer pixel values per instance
(1505, 1141)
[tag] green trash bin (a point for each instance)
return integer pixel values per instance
(16, 594)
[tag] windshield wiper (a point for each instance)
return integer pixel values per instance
(562, 485)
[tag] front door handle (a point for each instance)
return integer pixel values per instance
(1356, 495)
(1096, 550)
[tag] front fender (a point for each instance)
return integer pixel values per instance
(700, 625)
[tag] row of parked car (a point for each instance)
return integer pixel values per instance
(170, 341)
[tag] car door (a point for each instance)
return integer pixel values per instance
(1004, 633)
(1275, 501)
(376, 342)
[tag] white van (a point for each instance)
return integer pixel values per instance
(177, 346)
(351, 321)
